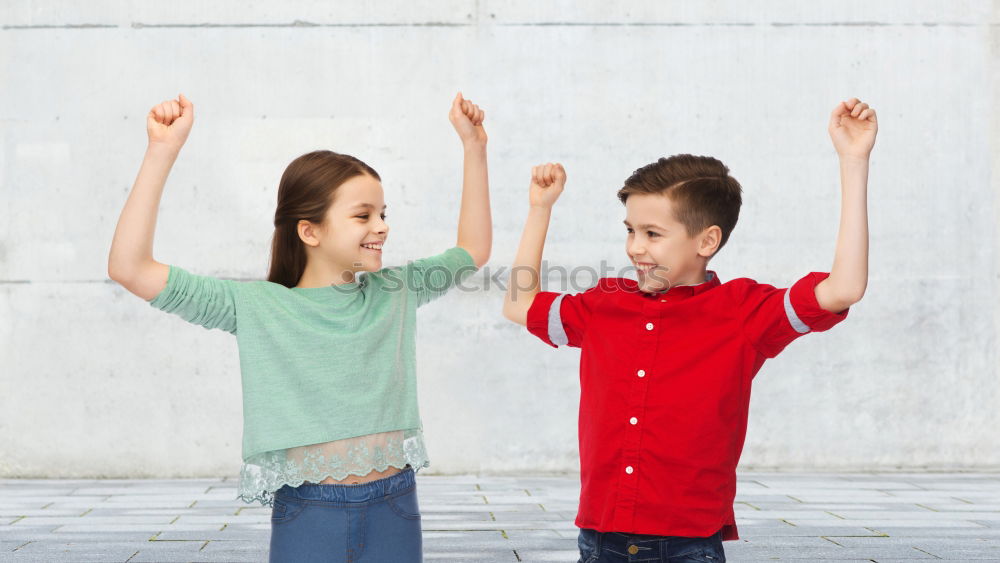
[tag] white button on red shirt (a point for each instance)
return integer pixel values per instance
(712, 338)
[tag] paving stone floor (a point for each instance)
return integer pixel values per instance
(881, 517)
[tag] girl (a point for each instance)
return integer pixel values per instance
(331, 435)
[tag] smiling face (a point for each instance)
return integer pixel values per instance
(660, 247)
(353, 231)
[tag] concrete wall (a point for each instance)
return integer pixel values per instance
(96, 382)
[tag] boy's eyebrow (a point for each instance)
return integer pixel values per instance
(645, 226)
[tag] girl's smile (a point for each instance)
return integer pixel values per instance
(375, 246)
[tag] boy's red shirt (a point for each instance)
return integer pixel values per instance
(665, 390)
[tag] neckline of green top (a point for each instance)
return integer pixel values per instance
(350, 288)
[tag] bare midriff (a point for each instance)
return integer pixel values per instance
(358, 479)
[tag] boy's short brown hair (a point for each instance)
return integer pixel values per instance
(700, 187)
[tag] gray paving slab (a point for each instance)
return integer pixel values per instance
(829, 517)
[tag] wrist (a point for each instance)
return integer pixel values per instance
(473, 146)
(852, 159)
(159, 148)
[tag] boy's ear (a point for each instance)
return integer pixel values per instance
(711, 237)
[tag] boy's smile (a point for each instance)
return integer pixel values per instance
(659, 246)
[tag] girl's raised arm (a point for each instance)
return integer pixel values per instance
(130, 262)
(475, 227)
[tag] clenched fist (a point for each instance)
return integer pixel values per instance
(170, 122)
(467, 119)
(547, 182)
(852, 128)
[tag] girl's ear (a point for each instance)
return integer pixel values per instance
(307, 232)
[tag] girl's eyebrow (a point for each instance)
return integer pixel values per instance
(366, 205)
(645, 226)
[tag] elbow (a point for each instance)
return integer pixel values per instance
(515, 314)
(852, 296)
(856, 297)
(120, 267)
(114, 272)
(835, 298)
(120, 272)
(507, 312)
(127, 272)
(479, 255)
(842, 302)
(482, 258)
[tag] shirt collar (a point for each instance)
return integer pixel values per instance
(711, 280)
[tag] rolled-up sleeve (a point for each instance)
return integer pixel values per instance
(561, 319)
(774, 317)
(201, 300)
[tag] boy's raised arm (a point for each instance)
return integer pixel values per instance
(475, 226)
(852, 128)
(130, 261)
(547, 182)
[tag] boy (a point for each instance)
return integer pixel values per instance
(666, 362)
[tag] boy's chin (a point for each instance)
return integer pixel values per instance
(652, 286)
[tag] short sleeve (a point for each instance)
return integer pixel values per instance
(560, 319)
(201, 300)
(431, 277)
(773, 317)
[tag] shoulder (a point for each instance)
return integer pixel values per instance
(265, 285)
(608, 290)
(739, 282)
(617, 285)
(748, 292)
(606, 287)
(453, 257)
(456, 256)
(743, 285)
(259, 291)
(388, 274)
(182, 279)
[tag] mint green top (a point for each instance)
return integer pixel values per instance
(325, 363)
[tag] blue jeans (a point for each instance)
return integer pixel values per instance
(608, 547)
(373, 522)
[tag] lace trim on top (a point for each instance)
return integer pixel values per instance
(265, 473)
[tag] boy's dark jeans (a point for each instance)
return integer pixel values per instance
(608, 547)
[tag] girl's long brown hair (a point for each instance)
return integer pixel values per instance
(306, 192)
